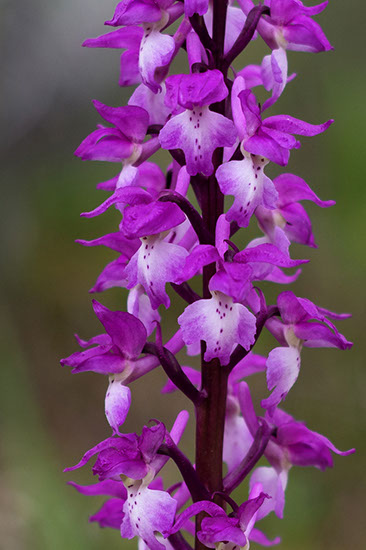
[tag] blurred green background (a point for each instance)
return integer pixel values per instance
(49, 417)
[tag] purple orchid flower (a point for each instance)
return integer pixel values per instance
(271, 138)
(114, 354)
(119, 142)
(290, 25)
(293, 443)
(194, 94)
(226, 530)
(272, 74)
(147, 49)
(289, 217)
(293, 331)
(157, 261)
(140, 507)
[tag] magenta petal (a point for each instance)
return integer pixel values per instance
(102, 339)
(200, 89)
(108, 185)
(126, 331)
(79, 357)
(251, 111)
(260, 538)
(107, 487)
(220, 529)
(105, 144)
(291, 189)
(126, 37)
(316, 335)
(116, 241)
(151, 219)
(127, 195)
(222, 234)
(202, 506)
(293, 310)
(278, 276)
(129, 68)
(201, 255)
(87, 456)
(267, 253)
(150, 440)
(252, 75)
(283, 11)
(151, 177)
(306, 35)
(233, 280)
(132, 121)
(248, 511)
(101, 364)
(135, 12)
(291, 125)
(251, 364)
(110, 514)
(283, 139)
(333, 315)
(298, 225)
(264, 145)
(111, 276)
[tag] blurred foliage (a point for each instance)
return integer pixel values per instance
(48, 417)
